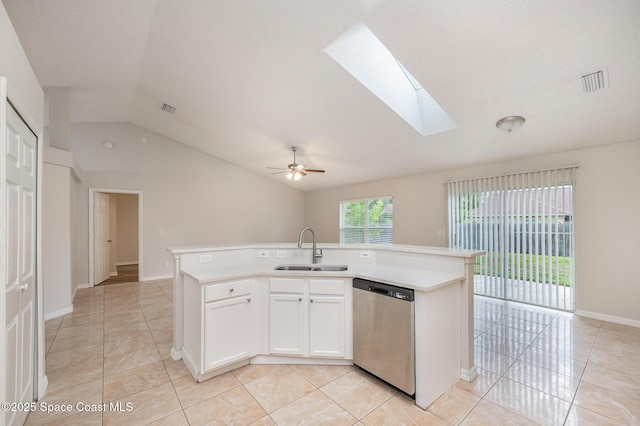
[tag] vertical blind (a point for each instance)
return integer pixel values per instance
(524, 223)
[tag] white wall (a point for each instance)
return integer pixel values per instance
(607, 226)
(189, 198)
(56, 242)
(127, 228)
(24, 90)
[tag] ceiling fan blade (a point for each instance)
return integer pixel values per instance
(281, 171)
(302, 172)
(313, 171)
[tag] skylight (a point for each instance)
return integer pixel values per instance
(365, 57)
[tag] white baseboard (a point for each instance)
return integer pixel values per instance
(608, 318)
(127, 263)
(84, 286)
(43, 383)
(468, 375)
(176, 355)
(154, 278)
(58, 313)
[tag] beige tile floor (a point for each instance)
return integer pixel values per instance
(536, 366)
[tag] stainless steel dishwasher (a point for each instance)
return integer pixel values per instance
(383, 332)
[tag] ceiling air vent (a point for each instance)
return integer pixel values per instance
(594, 81)
(168, 108)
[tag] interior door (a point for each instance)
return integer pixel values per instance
(101, 237)
(20, 204)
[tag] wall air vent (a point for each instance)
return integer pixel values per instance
(594, 81)
(168, 108)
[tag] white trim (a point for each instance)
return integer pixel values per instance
(608, 318)
(113, 274)
(468, 375)
(189, 363)
(86, 285)
(176, 355)
(43, 384)
(155, 277)
(130, 262)
(58, 313)
(92, 192)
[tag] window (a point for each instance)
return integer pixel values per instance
(367, 59)
(367, 221)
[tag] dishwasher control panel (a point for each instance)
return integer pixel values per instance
(384, 289)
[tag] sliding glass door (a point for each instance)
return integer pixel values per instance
(524, 223)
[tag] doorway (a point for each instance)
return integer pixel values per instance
(115, 235)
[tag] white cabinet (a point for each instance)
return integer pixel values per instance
(307, 317)
(326, 326)
(287, 306)
(219, 324)
(227, 331)
(227, 323)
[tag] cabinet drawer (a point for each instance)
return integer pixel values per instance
(286, 285)
(226, 290)
(326, 287)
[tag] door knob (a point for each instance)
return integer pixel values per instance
(23, 287)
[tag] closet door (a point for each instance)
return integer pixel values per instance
(20, 216)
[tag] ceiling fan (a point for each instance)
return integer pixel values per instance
(294, 170)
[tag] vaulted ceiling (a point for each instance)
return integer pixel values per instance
(249, 79)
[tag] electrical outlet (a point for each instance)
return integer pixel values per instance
(204, 258)
(281, 254)
(365, 254)
(263, 253)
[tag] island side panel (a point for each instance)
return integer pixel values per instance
(437, 331)
(468, 370)
(178, 310)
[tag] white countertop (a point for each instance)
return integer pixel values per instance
(413, 278)
(440, 251)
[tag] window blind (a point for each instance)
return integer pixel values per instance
(524, 222)
(367, 221)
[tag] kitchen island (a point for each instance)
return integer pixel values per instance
(232, 308)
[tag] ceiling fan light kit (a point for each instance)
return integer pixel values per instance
(510, 123)
(294, 170)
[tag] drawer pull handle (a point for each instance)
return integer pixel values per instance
(248, 299)
(311, 300)
(230, 290)
(299, 299)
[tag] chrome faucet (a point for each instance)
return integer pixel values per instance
(315, 254)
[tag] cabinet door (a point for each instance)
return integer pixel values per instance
(286, 324)
(326, 326)
(227, 332)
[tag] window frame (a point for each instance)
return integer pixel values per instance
(366, 228)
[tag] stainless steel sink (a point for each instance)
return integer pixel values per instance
(311, 268)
